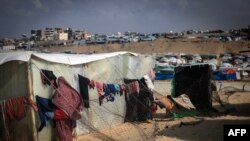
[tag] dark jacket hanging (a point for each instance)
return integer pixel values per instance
(48, 77)
(84, 90)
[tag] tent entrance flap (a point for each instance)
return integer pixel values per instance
(195, 81)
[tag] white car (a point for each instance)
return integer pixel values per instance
(148, 38)
(134, 39)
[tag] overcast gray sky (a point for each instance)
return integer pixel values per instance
(109, 16)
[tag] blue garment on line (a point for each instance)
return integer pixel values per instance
(45, 110)
(111, 88)
(50, 115)
(109, 96)
(117, 87)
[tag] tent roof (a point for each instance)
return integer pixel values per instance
(70, 59)
(14, 56)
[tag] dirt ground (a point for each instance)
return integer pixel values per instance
(228, 108)
(163, 45)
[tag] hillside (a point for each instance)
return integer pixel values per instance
(163, 45)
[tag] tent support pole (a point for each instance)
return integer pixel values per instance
(30, 93)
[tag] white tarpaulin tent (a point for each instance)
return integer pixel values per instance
(20, 76)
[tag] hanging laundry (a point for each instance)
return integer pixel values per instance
(91, 84)
(138, 101)
(99, 86)
(48, 78)
(145, 100)
(133, 85)
(148, 82)
(60, 114)
(117, 88)
(111, 88)
(105, 88)
(122, 89)
(45, 110)
(64, 125)
(109, 96)
(101, 99)
(67, 99)
(108, 90)
(15, 107)
(152, 74)
(131, 104)
(84, 90)
(64, 129)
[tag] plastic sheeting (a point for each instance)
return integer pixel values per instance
(82, 125)
(14, 56)
(109, 70)
(70, 59)
(14, 83)
(113, 70)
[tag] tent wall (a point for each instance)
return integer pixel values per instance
(110, 70)
(46, 91)
(14, 83)
(113, 70)
(138, 66)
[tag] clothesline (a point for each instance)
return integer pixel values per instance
(119, 73)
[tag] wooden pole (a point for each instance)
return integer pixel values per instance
(30, 93)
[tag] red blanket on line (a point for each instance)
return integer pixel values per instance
(67, 99)
(15, 107)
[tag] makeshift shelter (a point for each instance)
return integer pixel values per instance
(20, 76)
(195, 81)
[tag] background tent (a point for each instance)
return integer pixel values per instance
(195, 81)
(20, 75)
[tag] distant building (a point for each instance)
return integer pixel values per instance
(70, 33)
(36, 35)
(49, 34)
(78, 34)
(63, 36)
(8, 47)
(58, 30)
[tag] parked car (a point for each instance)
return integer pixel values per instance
(134, 39)
(100, 41)
(148, 38)
(90, 41)
(113, 40)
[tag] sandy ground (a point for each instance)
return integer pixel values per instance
(229, 108)
(163, 45)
